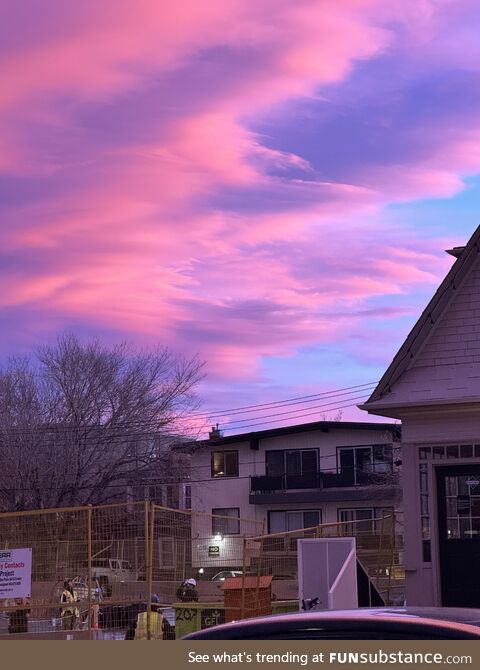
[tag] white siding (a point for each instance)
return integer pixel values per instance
(209, 493)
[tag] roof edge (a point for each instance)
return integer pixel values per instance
(300, 428)
(429, 317)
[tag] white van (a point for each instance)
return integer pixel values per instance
(115, 569)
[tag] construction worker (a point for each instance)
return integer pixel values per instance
(139, 630)
(187, 592)
(17, 619)
(69, 615)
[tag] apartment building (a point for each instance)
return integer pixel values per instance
(290, 478)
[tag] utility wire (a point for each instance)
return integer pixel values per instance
(120, 434)
(157, 425)
(291, 412)
(261, 423)
(288, 401)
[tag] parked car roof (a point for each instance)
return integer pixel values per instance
(225, 574)
(380, 623)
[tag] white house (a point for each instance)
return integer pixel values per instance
(433, 386)
(290, 478)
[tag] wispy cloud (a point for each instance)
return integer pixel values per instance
(214, 174)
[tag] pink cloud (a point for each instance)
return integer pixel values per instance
(143, 238)
(95, 50)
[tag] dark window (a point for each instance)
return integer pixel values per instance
(279, 522)
(462, 494)
(291, 462)
(188, 496)
(382, 458)
(226, 521)
(452, 451)
(360, 520)
(309, 461)
(172, 496)
(155, 493)
(366, 520)
(466, 450)
(166, 549)
(140, 492)
(225, 464)
(426, 551)
(275, 463)
(358, 461)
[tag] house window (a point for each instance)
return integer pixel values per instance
(172, 496)
(292, 468)
(139, 492)
(279, 522)
(357, 462)
(365, 520)
(226, 521)
(188, 496)
(225, 464)
(291, 462)
(155, 493)
(166, 550)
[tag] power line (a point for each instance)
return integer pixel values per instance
(292, 412)
(119, 434)
(288, 401)
(302, 402)
(165, 424)
(261, 423)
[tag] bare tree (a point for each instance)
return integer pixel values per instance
(78, 421)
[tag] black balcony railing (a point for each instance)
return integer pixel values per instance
(266, 483)
(320, 480)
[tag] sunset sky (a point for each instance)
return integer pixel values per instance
(269, 184)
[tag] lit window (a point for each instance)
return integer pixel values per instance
(225, 464)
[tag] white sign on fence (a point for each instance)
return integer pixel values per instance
(15, 573)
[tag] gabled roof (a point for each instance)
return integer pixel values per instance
(423, 329)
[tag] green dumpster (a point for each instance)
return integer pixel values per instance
(190, 617)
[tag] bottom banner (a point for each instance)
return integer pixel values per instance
(193, 655)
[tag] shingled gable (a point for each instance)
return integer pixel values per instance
(439, 361)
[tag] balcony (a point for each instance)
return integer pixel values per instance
(310, 480)
(352, 485)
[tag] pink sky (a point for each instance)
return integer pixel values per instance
(270, 185)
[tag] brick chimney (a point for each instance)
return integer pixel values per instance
(215, 434)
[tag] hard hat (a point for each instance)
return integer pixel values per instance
(191, 581)
(154, 598)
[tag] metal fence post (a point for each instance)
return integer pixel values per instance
(259, 566)
(244, 569)
(148, 568)
(150, 635)
(89, 566)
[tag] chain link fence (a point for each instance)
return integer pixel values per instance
(379, 549)
(127, 561)
(115, 557)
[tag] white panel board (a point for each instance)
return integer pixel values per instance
(327, 571)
